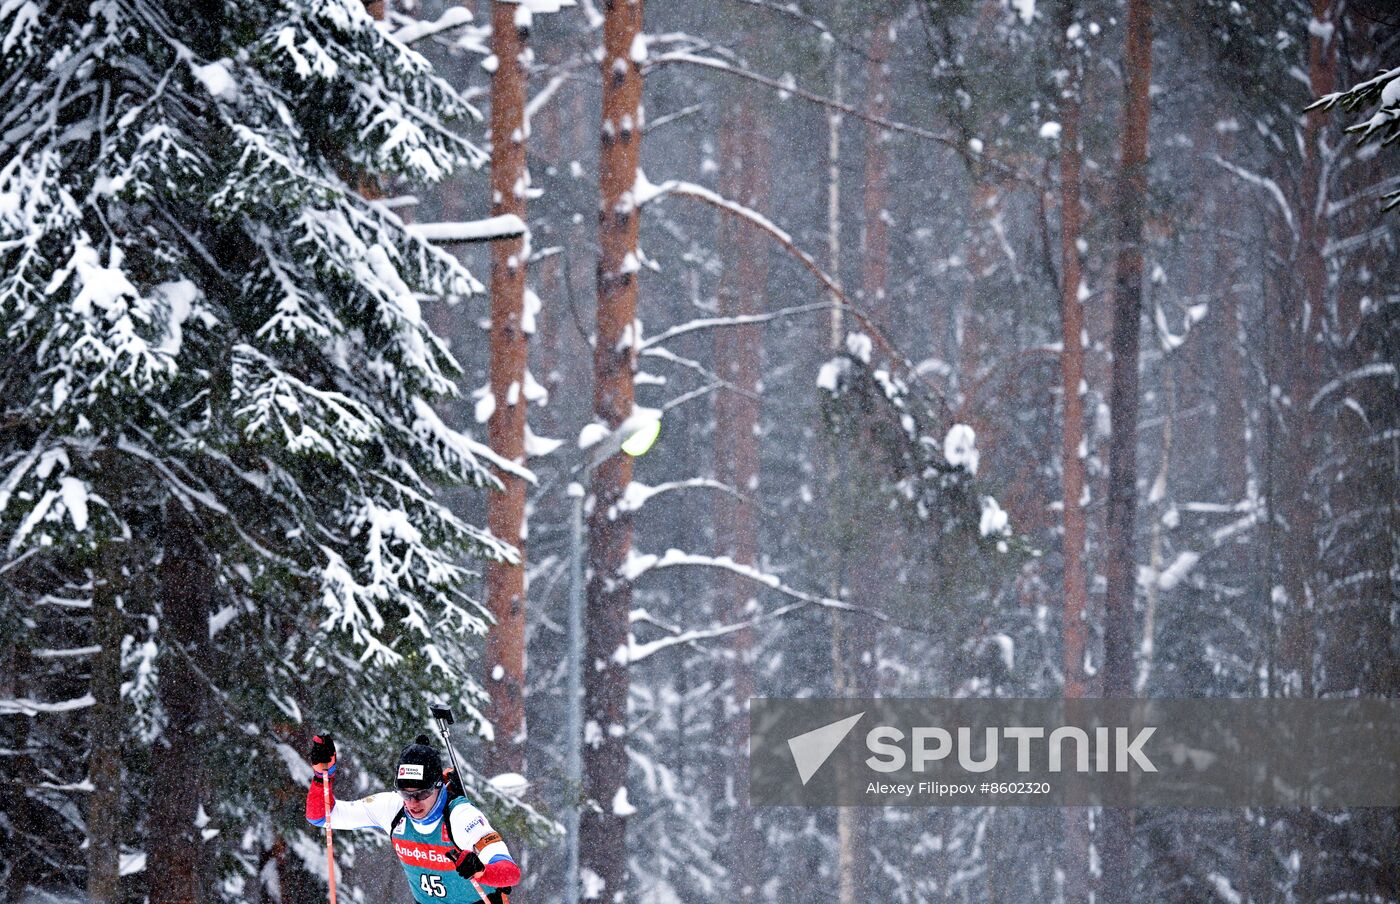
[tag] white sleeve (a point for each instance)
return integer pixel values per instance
(472, 832)
(374, 812)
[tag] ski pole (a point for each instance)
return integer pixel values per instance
(443, 716)
(330, 846)
(479, 893)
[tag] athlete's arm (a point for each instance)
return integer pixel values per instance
(472, 833)
(373, 812)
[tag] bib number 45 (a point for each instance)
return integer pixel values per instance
(432, 885)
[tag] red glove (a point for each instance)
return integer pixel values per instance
(501, 874)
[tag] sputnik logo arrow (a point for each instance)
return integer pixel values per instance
(811, 749)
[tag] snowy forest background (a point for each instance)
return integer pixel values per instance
(272, 333)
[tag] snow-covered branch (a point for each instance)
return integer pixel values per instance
(693, 365)
(544, 95)
(639, 564)
(1374, 370)
(784, 87)
(645, 191)
(707, 323)
(16, 706)
(636, 652)
(1264, 182)
(793, 11)
(639, 494)
(505, 226)
(453, 17)
(658, 122)
(186, 493)
(65, 653)
(1186, 560)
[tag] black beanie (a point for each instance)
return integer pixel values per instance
(420, 765)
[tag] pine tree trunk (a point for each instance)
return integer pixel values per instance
(834, 120)
(875, 257)
(1231, 416)
(874, 556)
(1072, 381)
(1073, 447)
(1131, 202)
(845, 650)
(1156, 541)
(104, 807)
(744, 155)
(602, 834)
(1225, 338)
(1307, 330)
(1363, 58)
(186, 587)
(1278, 283)
(1306, 361)
(845, 832)
(505, 583)
(982, 209)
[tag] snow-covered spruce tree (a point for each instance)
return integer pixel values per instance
(217, 383)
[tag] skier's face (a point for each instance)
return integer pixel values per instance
(420, 808)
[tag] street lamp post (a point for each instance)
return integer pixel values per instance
(573, 727)
(634, 437)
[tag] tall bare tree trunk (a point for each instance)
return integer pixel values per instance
(1127, 313)
(1074, 443)
(1231, 416)
(505, 582)
(1131, 202)
(187, 586)
(875, 259)
(852, 648)
(602, 834)
(104, 804)
(1361, 59)
(744, 153)
(1072, 380)
(840, 622)
(983, 202)
(1306, 333)
(834, 120)
(846, 645)
(1159, 501)
(871, 560)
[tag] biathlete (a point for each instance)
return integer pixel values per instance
(443, 842)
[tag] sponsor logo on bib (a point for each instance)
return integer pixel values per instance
(415, 853)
